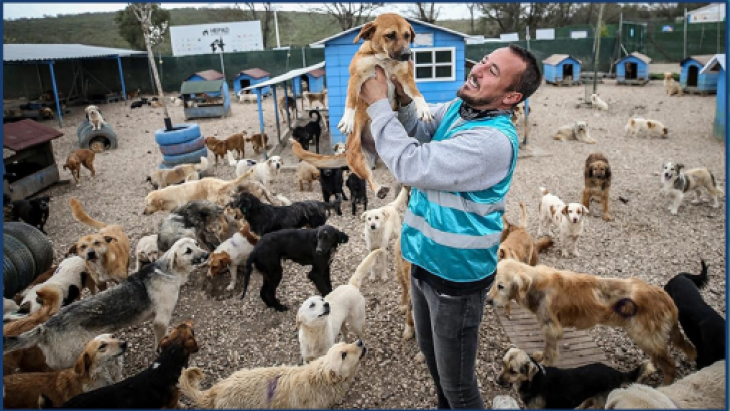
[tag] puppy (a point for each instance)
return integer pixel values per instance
(671, 87)
(177, 101)
(106, 252)
(597, 103)
(597, 173)
(321, 319)
(232, 254)
(286, 104)
(306, 173)
(146, 251)
(330, 179)
(321, 384)
(234, 142)
(645, 312)
(358, 192)
(259, 141)
(702, 325)
(315, 97)
(99, 365)
(200, 220)
(93, 114)
(313, 129)
(563, 388)
(133, 94)
(704, 389)
(46, 113)
(339, 148)
(568, 219)
(312, 246)
(265, 171)
(381, 225)
(576, 131)
(675, 183)
(386, 44)
(70, 277)
(636, 126)
(34, 211)
(150, 294)
(155, 387)
(78, 158)
(179, 174)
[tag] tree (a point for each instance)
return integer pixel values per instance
(473, 8)
(348, 15)
(427, 12)
(128, 24)
(265, 16)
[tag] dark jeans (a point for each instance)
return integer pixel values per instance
(447, 331)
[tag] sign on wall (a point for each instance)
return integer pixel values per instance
(216, 38)
(509, 37)
(579, 34)
(423, 40)
(545, 34)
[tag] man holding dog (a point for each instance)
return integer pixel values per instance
(460, 166)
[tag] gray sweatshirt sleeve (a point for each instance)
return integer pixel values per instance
(421, 130)
(472, 160)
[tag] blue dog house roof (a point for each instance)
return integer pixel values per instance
(255, 73)
(206, 75)
(637, 55)
(700, 60)
(556, 59)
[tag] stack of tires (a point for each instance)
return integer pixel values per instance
(183, 144)
(98, 140)
(27, 253)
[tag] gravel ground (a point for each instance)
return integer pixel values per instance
(644, 240)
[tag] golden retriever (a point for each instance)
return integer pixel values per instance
(322, 383)
(568, 299)
(597, 173)
(671, 86)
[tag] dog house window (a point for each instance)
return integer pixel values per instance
(435, 64)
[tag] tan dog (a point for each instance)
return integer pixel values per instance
(286, 103)
(211, 189)
(78, 158)
(314, 97)
(133, 94)
(259, 142)
(576, 131)
(234, 142)
(106, 252)
(671, 86)
(320, 384)
(597, 103)
(98, 366)
(636, 126)
(306, 173)
(597, 173)
(94, 116)
(146, 251)
(387, 44)
(645, 312)
(381, 226)
(179, 174)
(518, 113)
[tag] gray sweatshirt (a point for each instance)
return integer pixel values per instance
(471, 160)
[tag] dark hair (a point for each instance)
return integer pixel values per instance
(531, 78)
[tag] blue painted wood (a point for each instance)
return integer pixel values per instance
(707, 82)
(719, 129)
(55, 94)
(212, 111)
(554, 72)
(121, 77)
(237, 83)
(642, 69)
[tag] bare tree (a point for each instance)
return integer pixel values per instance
(427, 12)
(473, 8)
(348, 15)
(143, 12)
(506, 15)
(265, 16)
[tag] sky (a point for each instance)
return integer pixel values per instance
(32, 10)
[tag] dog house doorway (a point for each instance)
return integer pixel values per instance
(567, 71)
(245, 83)
(305, 82)
(632, 70)
(692, 75)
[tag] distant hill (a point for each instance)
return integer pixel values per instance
(99, 29)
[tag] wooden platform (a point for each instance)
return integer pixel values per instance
(695, 90)
(577, 347)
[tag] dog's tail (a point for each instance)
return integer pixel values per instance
(318, 160)
(190, 386)
(239, 180)
(52, 297)
(700, 280)
(714, 184)
(626, 308)
(640, 373)
(26, 340)
(80, 215)
(402, 198)
(203, 164)
(319, 117)
(247, 269)
(45, 402)
(365, 266)
(544, 191)
(523, 217)
(543, 243)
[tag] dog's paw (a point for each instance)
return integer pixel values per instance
(607, 217)
(424, 113)
(565, 254)
(673, 211)
(408, 333)
(230, 287)
(420, 357)
(402, 309)
(347, 123)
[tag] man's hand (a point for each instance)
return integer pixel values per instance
(375, 88)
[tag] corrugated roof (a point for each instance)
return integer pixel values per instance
(557, 58)
(716, 60)
(255, 73)
(42, 52)
(197, 87)
(287, 76)
(27, 133)
(316, 73)
(702, 59)
(433, 26)
(639, 56)
(208, 75)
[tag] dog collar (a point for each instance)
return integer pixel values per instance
(468, 113)
(542, 369)
(272, 388)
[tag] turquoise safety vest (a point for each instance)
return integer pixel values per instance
(455, 235)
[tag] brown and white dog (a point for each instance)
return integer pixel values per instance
(234, 142)
(232, 254)
(314, 97)
(676, 183)
(568, 219)
(637, 126)
(562, 298)
(76, 159)
(94, 116)
(106, 252)
(387, 44)
(671, 86)
(597, 175)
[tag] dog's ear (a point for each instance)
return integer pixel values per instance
(366, 33)
(608, 171)
(565, 210)
(413, 34)
(363, 215)
(680, 166)
(585, 210)
(589, 171)
(501, 254)
(82, 366)
(523, 283)
(71, 251)
(110, 238)
(342, 237)
(529, 369)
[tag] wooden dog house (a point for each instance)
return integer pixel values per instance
(191, 91)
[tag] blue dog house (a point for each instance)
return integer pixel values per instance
(690, 78)
(251, 77)
(203, 109)
(314, 80)
(439, 55)
(717, 66)
(633, 69)
(207, 75)
(559, 67)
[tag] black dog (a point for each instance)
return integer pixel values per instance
(34, 211)
(265, 218)
(358, 192)
(313, 246)
(704, 327)
(137, 104)
(311, 131)
(330, 179)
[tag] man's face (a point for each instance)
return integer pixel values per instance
(489, 82)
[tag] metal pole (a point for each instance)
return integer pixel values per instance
(527, 101)
(223, 66)
(55, 94)
(598, 48)
(684, 51)
(276, 112)
(276, 26)
(121, 77)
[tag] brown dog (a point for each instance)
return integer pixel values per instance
(306, 173)
(597, 182)
(181, 173)
(283, 106)
(96, 367)
(387, 41)
(106, 252)
(133, 94)
(314, 97)
(234, 142)
(259, 142)
(568, 299)
(78, 158)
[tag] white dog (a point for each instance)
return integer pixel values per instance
(643, 126)
(340, 148)
(146, 251)
(320, 320)
(177, 101)
(567, 218)
(597, 103)
(676, 183)
(382, 224)
(232, 254)
(94, 116)
(263, 171)
(70, 273)
(244, 97)
(576, 131)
